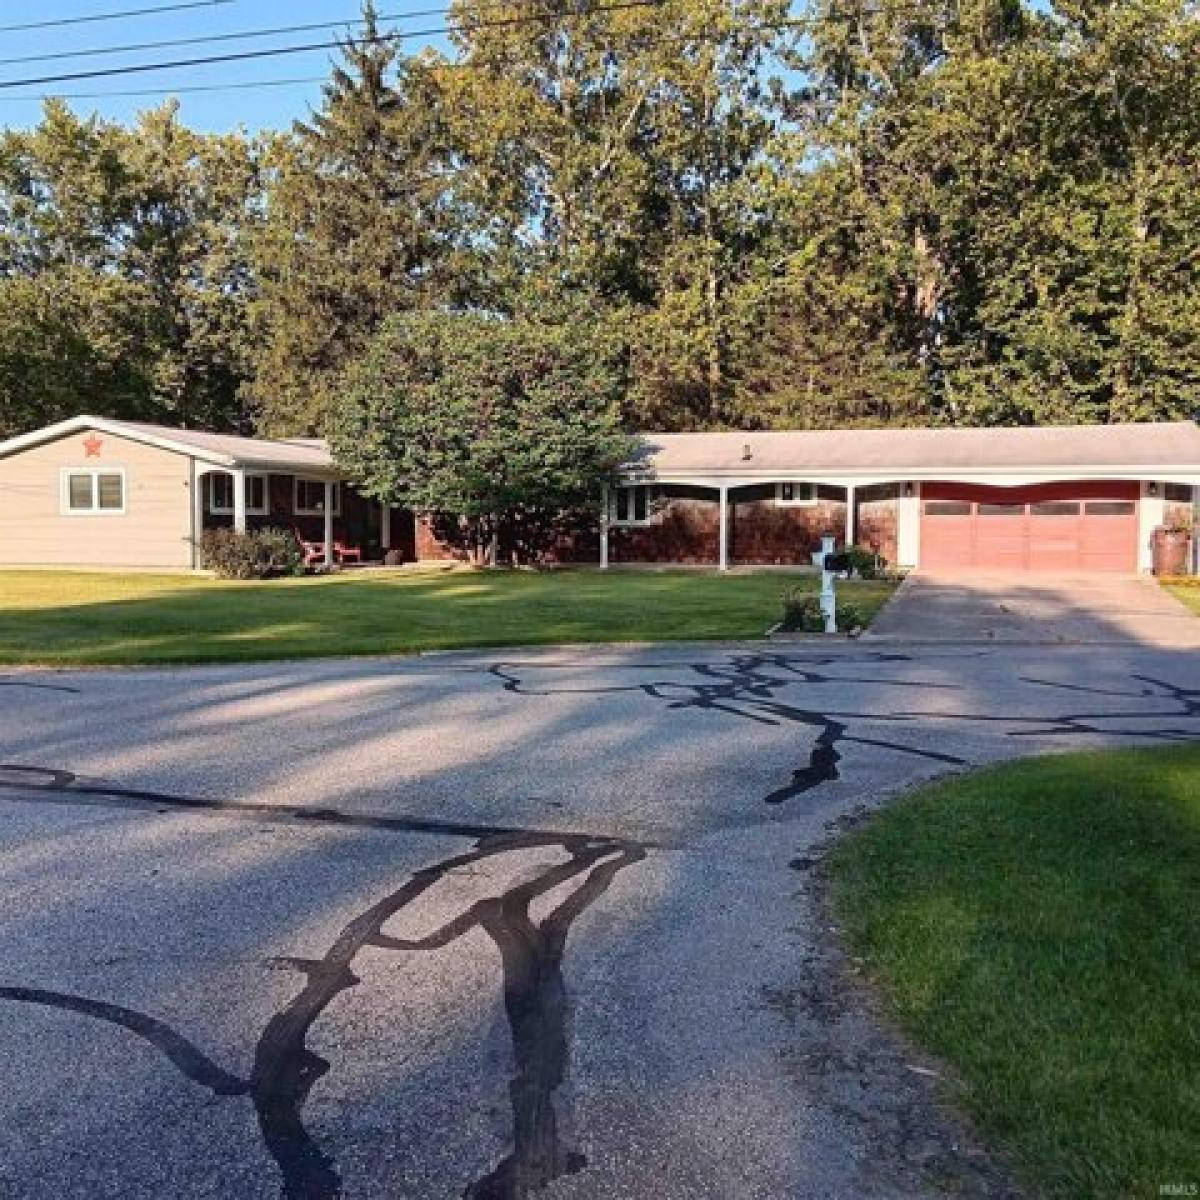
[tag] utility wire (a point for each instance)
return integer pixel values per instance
(120, 15)
(187, 89)
(791, 23)
(280, 30)
(240, 35)
(244, 55)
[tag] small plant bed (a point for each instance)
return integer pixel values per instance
(1035, 925)
(61, 618)
(864, 576)
(802, 612)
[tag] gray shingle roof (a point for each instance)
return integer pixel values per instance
(921, 450)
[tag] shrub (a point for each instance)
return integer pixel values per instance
(850, 618)
(865, 562)
(802, 613)
(256, 554)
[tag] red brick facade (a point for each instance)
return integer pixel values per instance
(877, 519)
(762, 531)
(685, 530)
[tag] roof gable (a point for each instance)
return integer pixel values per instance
(218, 449)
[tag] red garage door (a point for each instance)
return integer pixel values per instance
(1051, 527)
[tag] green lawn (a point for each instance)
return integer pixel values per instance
(1189, 593)
(1037, 926)
(74, 618)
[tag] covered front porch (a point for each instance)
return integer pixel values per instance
(334, 524)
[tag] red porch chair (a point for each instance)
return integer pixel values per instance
(313, 552)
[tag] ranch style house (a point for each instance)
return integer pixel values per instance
(95, 492)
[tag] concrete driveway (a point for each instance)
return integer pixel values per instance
(969, 606)
(488, 926)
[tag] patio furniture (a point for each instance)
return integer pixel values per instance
(347, 553)
(313, 552)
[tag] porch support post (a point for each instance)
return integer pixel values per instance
(723, 530)
(239, 500)
(604, 528)
(1196, 529)
(198, 484)
(385, 526)
(328, 523)
(849, 516)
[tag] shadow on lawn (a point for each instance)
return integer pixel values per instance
(207, 621)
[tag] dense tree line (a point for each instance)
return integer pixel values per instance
(867, 212)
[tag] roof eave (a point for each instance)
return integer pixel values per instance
(60, 429)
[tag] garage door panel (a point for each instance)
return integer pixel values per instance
(1054, 534)
(999, 539)
(1089, 526)
(947, 541)
(1104, 539)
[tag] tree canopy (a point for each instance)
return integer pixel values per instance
(504, 424)
(853, 212)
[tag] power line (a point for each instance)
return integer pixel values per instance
(791, 23)
(242, 85)
(206, 39)
(120, 15)
(244, 55)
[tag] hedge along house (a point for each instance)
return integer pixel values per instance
(1074, 499)
(101, 493)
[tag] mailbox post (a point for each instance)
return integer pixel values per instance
(827, 561)
(828, 591)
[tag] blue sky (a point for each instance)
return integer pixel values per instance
(252, 107)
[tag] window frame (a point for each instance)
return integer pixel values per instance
(1056, 509)
(252, 510)
(807, 502)
(93, 473)
(961, 508)
(627, 520)
(298, 511)
(1126, 509)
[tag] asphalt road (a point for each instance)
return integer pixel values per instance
(487, 926)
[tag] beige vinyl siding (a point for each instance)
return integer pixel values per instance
(155, 530)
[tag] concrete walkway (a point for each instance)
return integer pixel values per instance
(1033, 609)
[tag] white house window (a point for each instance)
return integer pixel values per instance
(310, 497)
(795, 494)
(633, 505)
(220, 494)
(93, 493)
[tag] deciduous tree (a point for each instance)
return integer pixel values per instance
(497, 423)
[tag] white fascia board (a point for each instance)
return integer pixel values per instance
(1187, 475)
(305, 470)
(62, 429)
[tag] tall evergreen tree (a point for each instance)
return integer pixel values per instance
(360, 225)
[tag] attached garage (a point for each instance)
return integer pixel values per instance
(1089, 526)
